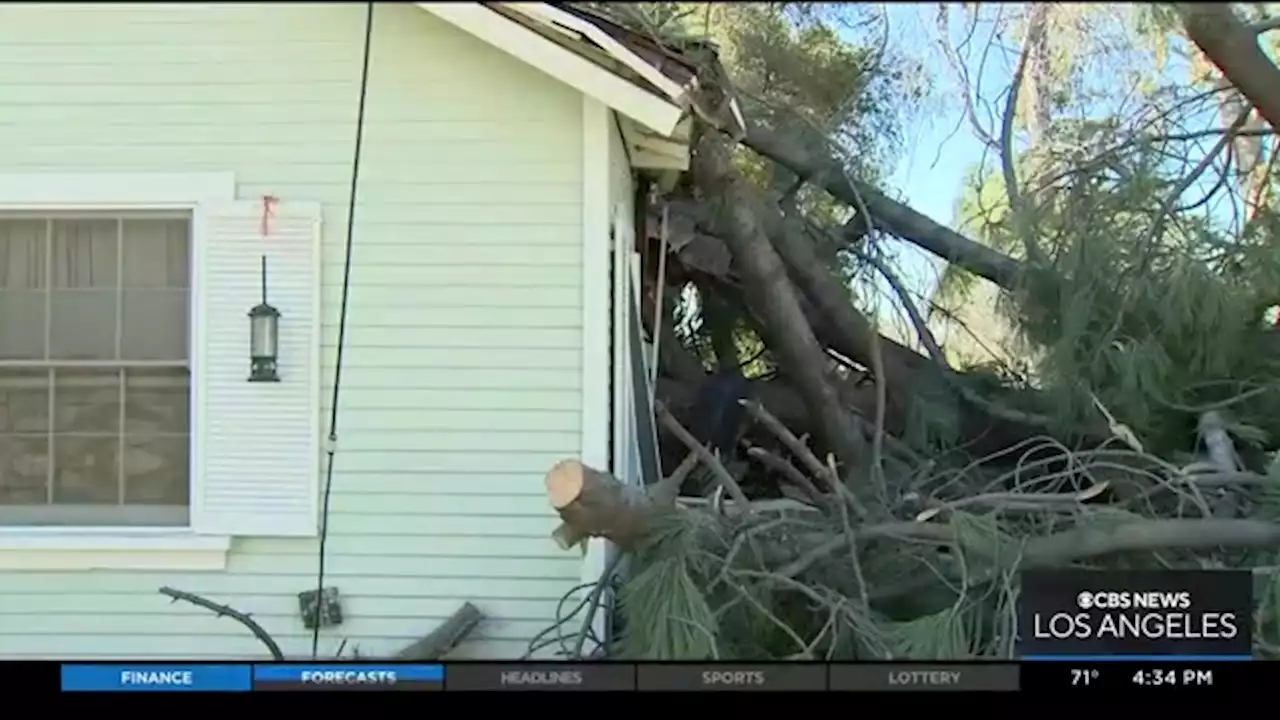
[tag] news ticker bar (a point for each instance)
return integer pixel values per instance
(1080, 673)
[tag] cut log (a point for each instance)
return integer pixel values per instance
(595, 504)
(445, 637)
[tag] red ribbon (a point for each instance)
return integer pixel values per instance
(268, 212)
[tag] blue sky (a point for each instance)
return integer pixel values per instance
(939, 144)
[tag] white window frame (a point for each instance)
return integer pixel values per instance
(162, 548)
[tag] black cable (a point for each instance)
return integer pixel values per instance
(342, 331)
(571, 645)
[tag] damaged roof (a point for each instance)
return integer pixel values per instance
(669, 61)
(642, 77)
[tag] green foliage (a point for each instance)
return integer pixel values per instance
(698, 590)
(946, 634)
(667, 616)
(1142, 304)
(805, 68)
(1151, 297)
(981, 211)
(1159, 320)
(683, 600)
(1145, 301)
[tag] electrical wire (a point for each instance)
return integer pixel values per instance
(571, 645)
(332, 444)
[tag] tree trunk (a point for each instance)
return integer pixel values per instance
(735, 220)
(1233, 48)
(593, 503)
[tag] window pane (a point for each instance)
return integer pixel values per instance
(24, 437)
(22, 254)
(154, 320)
(85, 254)
(85, 289)
(157, 401)
(156, 253)
(154, 324)
(24, 401)
(22, 288)
(24, 469)
(86, 469)
(156, 470)
(86, 401)
(22, 324)
(83, 325)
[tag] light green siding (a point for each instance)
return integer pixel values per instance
(462, 376)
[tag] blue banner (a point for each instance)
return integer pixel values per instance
(157, 678)
(330, 676)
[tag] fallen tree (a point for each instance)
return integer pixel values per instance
(704, 579)
(913, 490)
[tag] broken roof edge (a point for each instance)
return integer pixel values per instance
(605, 41)
(662, 115)
(646, 50)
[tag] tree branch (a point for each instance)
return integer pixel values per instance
(225, 610)
(1263, 26)
(888, 215)
(701, 452)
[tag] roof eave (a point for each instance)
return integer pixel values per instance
(661, 115)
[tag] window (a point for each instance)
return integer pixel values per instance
(94, 369)
(130, 437)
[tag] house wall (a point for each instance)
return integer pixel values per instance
(462, 375)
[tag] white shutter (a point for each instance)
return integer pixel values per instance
(256, 444)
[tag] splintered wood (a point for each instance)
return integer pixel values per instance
(595, 504)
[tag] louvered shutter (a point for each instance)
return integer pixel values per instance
(256, 444)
